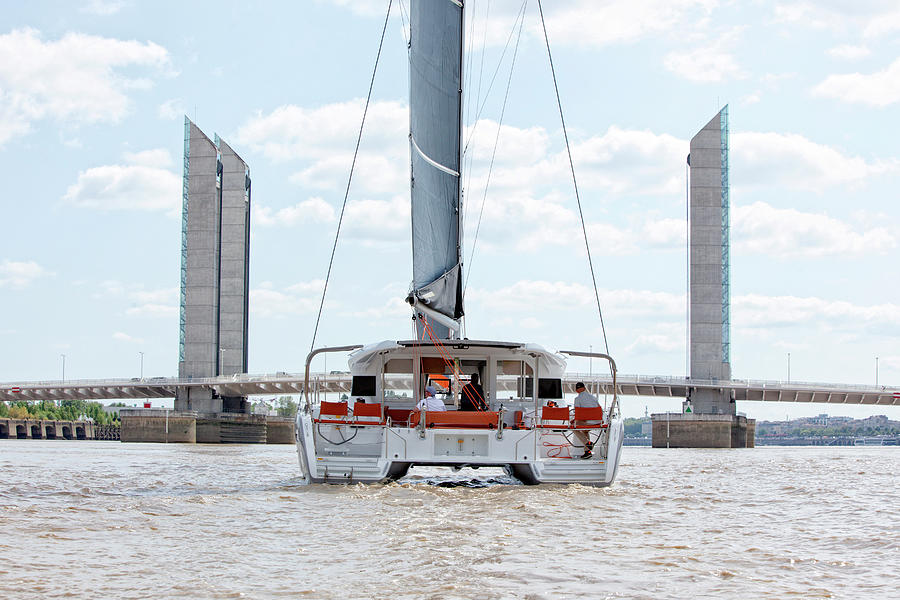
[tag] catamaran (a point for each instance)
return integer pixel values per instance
(520, 420)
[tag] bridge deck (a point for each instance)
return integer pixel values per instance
(286, 383)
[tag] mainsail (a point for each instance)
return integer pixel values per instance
(435, 106)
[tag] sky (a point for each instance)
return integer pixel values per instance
(93, 96)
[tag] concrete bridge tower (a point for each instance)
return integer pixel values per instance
(709, 418)
(215, 260)
(709, 275)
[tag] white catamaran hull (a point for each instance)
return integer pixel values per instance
(380, 453)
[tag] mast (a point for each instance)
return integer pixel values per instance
(435, 135)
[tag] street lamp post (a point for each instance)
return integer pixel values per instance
(789, 368)
(142, 365)
(876, 371)
(591, 360)
(63, 356)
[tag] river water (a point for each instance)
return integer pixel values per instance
(104, 519)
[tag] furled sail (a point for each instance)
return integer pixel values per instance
(435, 103)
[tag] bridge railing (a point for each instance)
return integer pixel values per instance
(325, 378)
(731, 383)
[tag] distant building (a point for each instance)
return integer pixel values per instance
(215, 269)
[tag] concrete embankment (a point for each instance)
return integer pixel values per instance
(189, 427)
(37, 429)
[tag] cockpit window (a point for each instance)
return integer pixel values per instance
(512, 378)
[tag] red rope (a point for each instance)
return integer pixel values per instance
(556, 450)
(452, 364)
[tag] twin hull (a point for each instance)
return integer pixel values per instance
(376, 453)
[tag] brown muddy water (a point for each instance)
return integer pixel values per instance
(104, 519)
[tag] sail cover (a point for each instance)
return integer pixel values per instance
(435, 94)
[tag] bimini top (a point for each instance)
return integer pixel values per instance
(464, 343)
(364, 355)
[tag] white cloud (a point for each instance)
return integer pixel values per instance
(618, 162)
(752, 98)
(152, 310)
(789, 233)
(365, 8)
(524, 203)
(161, 302)
(523, 296)
(379, 219)
(77, 79)
(143, 184)
(591, 23)
(103, 8)
(870, 18)
(656, 342)
(164, 296)
(883, 24)
(791, 160)
(627, 160)
(120, 336)
(579, 22)
(298, 299)
(319, 138)
(752, 314)
(293, 132)
(849, 52)
(515, 145)
(19, 275)
(159, 158)
(757, 311)
(373, 173)
(313, 210)
(395, 307)
(530, 224)
(171, 109)
(664, 233)
(879, 89)
(707, 64)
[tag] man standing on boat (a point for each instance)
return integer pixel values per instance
(430, 402)
(585, 399)
(472, 395)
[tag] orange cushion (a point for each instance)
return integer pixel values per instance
(549, 413)
(361, 409)
(589, 414)
(333, 408)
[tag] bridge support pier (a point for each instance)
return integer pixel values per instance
(689, 430)
(190, 427)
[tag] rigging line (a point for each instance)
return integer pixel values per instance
(452, 364)
(521, 15)
(687, 270)
(467, 113)
(467, 158)
(487, 184)
(487, 16)
(468, 65)
(574, 181)
(403, 20)
(350, 178)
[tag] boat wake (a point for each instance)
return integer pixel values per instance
(466, 478)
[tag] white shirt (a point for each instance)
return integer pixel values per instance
(586, 400)
(430, 403)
